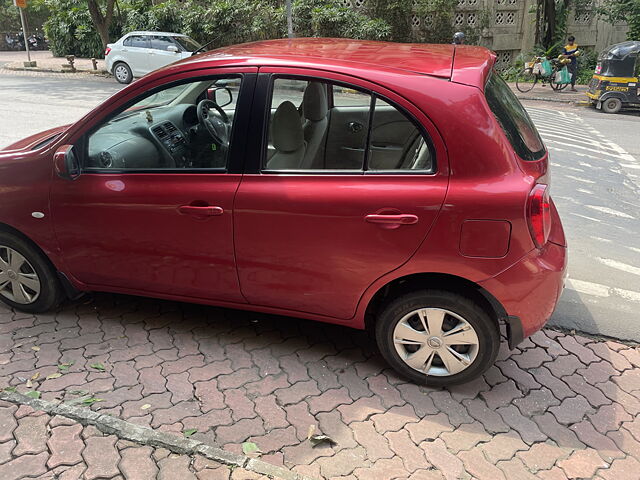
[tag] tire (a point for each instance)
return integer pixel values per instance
(122, 73)
(612, 105)
(41, 291)
(526, 80)
(459, 312)
(556, 86)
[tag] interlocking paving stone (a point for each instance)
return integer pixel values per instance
(559, 405)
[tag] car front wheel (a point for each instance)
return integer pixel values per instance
(122, 72)
(437, 337)
(28, 282)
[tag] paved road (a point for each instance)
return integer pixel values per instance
(596, 185)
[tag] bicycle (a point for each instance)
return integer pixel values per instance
(537, 70)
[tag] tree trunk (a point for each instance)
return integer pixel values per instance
(102, 21)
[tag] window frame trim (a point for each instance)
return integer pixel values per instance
(270, 77)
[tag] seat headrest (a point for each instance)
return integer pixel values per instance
(288, 135)
(314, 103)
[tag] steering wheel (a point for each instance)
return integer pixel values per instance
(215, 120)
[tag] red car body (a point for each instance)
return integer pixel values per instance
(298, 245)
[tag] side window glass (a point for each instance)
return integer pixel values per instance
(139, 41)
(395, 142)
(127, 41)
(161, 43)
(305, 133)
(187, 126)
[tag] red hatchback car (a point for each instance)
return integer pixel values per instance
(397, 187)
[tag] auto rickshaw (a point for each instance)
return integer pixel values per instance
(615, 82)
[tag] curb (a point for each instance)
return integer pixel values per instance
(554, 100)
(51, 70)
(147, 436)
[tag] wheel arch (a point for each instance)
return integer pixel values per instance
(69, 289)
(433, 281)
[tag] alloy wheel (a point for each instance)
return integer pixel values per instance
(436, 342)
(19, 281)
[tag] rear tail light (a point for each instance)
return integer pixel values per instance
(106, 52)
(539, 214)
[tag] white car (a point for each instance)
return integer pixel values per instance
(138, 53)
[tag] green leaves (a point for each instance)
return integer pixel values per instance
(33, 394)
(98, 366)
(188, 433)
(250, 448)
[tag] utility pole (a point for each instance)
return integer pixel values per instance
(289, 19)
(22, 4)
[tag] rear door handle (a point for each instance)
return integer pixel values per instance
(207, 211)
(401, 219)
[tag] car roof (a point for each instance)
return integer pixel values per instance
(462, 64)
(145, 32)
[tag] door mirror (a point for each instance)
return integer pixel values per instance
(221, 95)
(66, 162)
(172, 48)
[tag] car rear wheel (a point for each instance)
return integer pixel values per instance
(28, 282)
(437, 337)
(122, 72)
(612, 105)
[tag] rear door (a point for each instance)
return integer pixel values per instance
(136, 50)
(313, 240)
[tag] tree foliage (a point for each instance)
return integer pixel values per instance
(623, 11)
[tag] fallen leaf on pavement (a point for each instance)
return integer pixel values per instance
(145, 406)
(33, 394)
(249, 448)
(10, 389)
(35, 349)
(53, 375)
(318, 439)
(35, 376)
(311, 431)
(188, 433)
(97, 366)
(91, 400)
(29, 383)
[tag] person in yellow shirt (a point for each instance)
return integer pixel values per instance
(570, 51)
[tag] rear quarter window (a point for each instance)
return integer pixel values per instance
(514, 119)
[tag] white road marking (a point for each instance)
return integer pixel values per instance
(600, 239)
(584, 216)
(602, 291)
(580, 179)
(619, 265)
(609, 211)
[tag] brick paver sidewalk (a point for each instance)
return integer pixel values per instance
(546, 93)
(560, 406)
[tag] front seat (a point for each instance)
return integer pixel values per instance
(315, 110)
(288, 138)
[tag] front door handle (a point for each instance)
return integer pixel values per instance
(207, 211)
(401, 219)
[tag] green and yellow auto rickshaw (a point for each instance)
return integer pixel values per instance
(615, 82)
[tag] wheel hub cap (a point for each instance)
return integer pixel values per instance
(19, 281)
(436, 342)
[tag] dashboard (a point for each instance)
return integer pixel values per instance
(156, 137)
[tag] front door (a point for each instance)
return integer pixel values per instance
(312, 234)
(152, 210)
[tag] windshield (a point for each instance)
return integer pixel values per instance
(159, 99)
(513, 119)
(187, 43)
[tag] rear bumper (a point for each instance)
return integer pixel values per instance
(530, 289)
